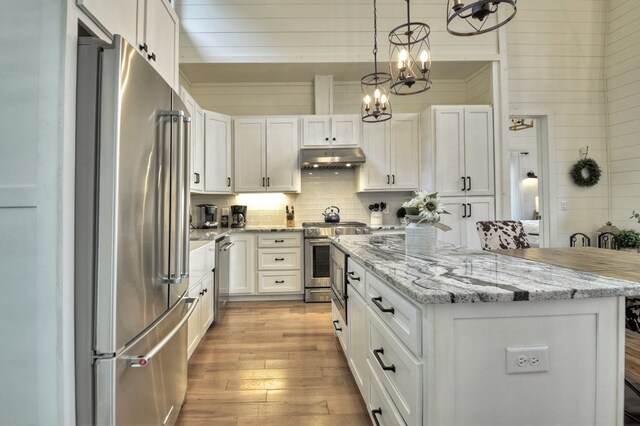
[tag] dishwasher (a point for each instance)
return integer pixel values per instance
(221, 274)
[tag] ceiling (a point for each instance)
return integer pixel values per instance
(305, 72)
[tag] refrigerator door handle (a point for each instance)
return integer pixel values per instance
(143, 360)
(186, 138)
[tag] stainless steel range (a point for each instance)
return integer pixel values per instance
(317, 256)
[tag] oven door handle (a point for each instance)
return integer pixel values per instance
(322, 242)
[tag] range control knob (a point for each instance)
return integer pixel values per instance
(365, 230)
(358, 231)
(317, 232)
(338, 231)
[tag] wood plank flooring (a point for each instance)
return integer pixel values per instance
(272, 363)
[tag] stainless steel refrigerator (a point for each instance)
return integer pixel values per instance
(131, 245)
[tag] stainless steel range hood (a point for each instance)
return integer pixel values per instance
(331, 158)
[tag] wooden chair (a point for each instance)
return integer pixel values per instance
(585, 240)
(502, 234)
(608, 240)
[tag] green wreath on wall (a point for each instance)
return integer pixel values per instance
(586, 172)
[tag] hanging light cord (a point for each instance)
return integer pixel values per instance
(375, 38)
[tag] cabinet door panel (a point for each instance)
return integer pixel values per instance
(161, 35)
(206, 304)
(316, 131)
(197, 178)
(449, 150)
(403, 146)
(242, 264)
(249, 146)
(345, 130)
(478, 137)
(357, 315)
(114, 17)
(283, 168)
(478, 210)
(375, 171)
(193, 324)
(217, 153)
(453, 220)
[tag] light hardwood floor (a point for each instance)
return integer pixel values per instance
(272, 363)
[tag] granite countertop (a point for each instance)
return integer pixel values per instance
(460, 275)
(215, 233)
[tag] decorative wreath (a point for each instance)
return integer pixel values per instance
(593, 172)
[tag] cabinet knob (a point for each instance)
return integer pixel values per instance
(144, 47)
(152, 57)
(326, 139)
(334, 139)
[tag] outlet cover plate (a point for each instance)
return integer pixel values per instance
(528, 359)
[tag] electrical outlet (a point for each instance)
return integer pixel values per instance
(563, 206)
(533, 359)
(386, 209)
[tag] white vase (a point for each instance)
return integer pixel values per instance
(420, 237)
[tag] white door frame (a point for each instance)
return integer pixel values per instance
(547, 185)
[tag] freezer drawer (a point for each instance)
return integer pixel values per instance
(135, 390)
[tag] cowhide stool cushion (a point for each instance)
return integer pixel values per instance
(502, 234)
(632, 314)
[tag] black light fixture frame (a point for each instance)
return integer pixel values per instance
(413, 76)
(478, 10)
(379, 111)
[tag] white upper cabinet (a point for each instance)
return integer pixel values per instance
(217, 153)
(321, 131)
(157, 37)
(457, 152)
(114, 17)
(392, 150)
(197, 141)
(267, 154)
(150, 25)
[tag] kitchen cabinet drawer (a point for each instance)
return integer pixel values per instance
(381, 408)
(279, 282)
(356, 277)
(398, 370)
(341, 329)
(280, 239)
(278, 259)
(403, 317)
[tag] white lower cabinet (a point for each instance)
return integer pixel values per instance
(266, 263)
(242, 263)
(464, 213)
(381, 408)
(358, 330)
(202, 317)
(201, 263)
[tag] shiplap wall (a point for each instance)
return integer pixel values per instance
(478, 87)
(622, 66)
(297, 98)
(309, 30)
(556, 64)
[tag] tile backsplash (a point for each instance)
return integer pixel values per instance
(320, 189)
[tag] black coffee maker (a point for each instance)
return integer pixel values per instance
(238, 216)
(206, 216)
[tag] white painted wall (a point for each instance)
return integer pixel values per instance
(479, 88)
(622, 66)
(309, 31)
(556, 65)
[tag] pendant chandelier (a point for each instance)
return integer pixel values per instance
(470, 19)
(410, 57)
(376, 107)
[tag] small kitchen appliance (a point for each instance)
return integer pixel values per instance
(224, 217)
(331, 216)
(206, 216)
(238, 216)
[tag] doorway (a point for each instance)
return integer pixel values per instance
(529, 177)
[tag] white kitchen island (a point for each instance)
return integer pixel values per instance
(466, 337)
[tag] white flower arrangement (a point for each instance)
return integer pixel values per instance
(429, 207)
